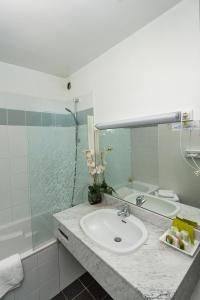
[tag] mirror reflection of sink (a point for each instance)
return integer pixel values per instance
(156, 204)
(117, 234)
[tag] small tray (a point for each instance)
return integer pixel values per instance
(192, 250)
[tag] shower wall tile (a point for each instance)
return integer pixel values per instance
(61, 120)
(19, 196)
(4, 172)
(14, 196)
(16, 117)
(4, 148)
(82, 115)
(19, 181)
(3, 116)
(21, 211)
(5, 216)
(19, 165)
(5, 201)
(48, 119)
(33, 118)
(24, 117)
(17, 141)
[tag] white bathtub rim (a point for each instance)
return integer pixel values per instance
(41, 247)
(15, 223)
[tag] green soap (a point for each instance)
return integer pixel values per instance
(169, 239)
(181, 245)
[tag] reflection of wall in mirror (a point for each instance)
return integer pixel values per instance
(118, 168)
(145, 154)
(174, 173)
(157, 160)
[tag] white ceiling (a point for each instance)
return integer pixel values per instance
(61, 36)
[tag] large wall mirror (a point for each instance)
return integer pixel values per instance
(158, 165)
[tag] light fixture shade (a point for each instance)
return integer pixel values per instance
(171, 117)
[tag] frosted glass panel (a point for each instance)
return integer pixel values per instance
(51, 152)
(82, 171)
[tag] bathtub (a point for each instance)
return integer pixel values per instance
(45, 271)
(136, 187)
(40, 265)
(16, 237)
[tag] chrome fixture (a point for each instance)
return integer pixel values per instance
(74, 115)
(124, 211)
(171, 117)
(140, 200)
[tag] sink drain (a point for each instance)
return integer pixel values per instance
(117, 239)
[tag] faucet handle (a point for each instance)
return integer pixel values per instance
(140, 200)
(140, 197)
(122, 206)
(124, 210)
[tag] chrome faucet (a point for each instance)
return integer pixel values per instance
(140, 200)
(124, 211)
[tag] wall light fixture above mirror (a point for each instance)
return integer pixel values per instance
(171, 117)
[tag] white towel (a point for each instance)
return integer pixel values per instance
(11, 274)
(166, 193)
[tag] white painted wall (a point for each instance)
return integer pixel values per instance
(154, 70)
(19, 80)
(26, 89)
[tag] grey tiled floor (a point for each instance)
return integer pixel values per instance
(84, 288)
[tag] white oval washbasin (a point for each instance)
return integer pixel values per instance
(117, 234)
(159, 205)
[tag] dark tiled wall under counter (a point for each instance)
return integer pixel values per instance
(16, 117)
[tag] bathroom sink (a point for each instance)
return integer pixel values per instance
(117, 234)
(159, 205)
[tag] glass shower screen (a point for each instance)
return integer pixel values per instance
(51, 155)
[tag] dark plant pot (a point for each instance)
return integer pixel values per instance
(106, 189)
(94, 198)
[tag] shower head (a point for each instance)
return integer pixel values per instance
(67, 109)
(73, 115)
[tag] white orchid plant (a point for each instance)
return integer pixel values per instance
(93, 169)
(97, 170)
